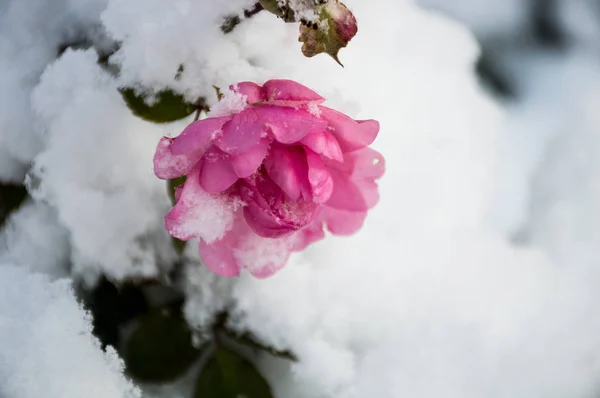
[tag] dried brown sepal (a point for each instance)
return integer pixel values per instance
(335, 27)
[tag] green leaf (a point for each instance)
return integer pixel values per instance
(160, 348)
(167, 106)
(227, 375)
(11, 197)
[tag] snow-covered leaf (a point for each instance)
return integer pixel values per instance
(227, 375)
(160, 349)
(168, 106)
(11, 197)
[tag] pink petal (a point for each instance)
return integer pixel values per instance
(308, 235)
(264, 224)
(323, 143)
(217, 173)
(288, 169)
(218, 255)
(341, 222)
(243, 249)
(258, 213)
(270, 213)
(198, 213)
(366, 163)
(351, 134)
(262, 257)
(197, 136)
(319, 178)
(218, 258)
(353, 195)
(362, 163)
(177, 193)
(289, 90)
(242, 132)
(289, 125)
(253, 92)
(246, 163)
(167, 165)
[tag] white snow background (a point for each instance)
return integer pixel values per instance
(477, 275)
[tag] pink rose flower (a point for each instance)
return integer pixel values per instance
(266, 172)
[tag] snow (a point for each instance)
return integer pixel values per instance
(34, 237)
(46, 343)
(475, 276)
(230, 104)
(212, 223)
(98, 161)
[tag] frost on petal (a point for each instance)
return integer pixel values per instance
(197, 136)
(218, 254)
(351, 134)
(231, 103)
(252, 91)
(242, 132)
(167, 165)
(288, 169)
(341, 222)
(198, 213)
(324, 143)
(319, 178)
(246, 163)
(289, 125)
(241, 249)
(217, 173)
(262, 257)
(289, 90)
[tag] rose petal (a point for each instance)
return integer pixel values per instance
(352, 195)
(167, 165)
(289, 90)
(351, 134)
(319, 178)
(323, 143)
(262, 257)
(217, 173)
(288, 169)
(366, 163)
(197, 136)
(308, 235)
(269, 212)
(362, 163)
(198, 213)
(264, 224)
(241, 249)
(258, 212)
(177, 193)
(242, 132)
(341, 222)
(289, 125)
(218, 255)
(246, 163)
(253, 92)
